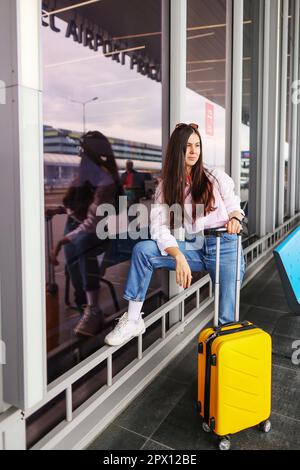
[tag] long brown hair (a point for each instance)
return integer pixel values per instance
(173, 175)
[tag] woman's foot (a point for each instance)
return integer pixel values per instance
(125, 330)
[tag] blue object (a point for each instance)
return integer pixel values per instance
(287, 257)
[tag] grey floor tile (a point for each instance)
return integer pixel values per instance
(153, 445)
(182, 429)
(149, 409)
(285, 335)
(184, 368)
(117, 438)
(262, 317)
(164, 415)
(244, 308)
(269, 299)
(284, 361)
(286, 391)
(284, 435)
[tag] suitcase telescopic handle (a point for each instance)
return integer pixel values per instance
(218, 233)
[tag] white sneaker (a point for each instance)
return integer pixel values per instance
(125, 330)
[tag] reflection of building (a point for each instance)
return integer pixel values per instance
(61, 162)
(60, 169)
(63, 141)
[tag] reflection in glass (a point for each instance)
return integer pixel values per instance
(102, 139)
(206, 81)
(101, 74)
(288, 105)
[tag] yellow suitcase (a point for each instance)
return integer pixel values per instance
(234, 373)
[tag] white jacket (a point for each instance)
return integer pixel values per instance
(226, 201)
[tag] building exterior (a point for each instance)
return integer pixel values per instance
(230, 65)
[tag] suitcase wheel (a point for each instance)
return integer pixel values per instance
(265, 426)
(205, 427)
(225, 443)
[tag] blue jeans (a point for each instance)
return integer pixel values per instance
(81, 257)
(146, 257)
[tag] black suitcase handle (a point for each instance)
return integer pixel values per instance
(234, 323)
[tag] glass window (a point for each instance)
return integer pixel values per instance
(249, 123)
(248, 36)
(206, 76)
(289, 108)
(101, 73)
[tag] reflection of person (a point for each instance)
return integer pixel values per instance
(98, 183)
(185, 181)
(131, 183)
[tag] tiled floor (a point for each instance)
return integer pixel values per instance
(164, 416)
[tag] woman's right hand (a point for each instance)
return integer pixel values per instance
(183, 271)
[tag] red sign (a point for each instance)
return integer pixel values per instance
(209, 119)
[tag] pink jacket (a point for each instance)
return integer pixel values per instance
(226, 201)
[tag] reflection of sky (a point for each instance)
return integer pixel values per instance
(129, 105)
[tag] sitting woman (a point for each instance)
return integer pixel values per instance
(185, 181)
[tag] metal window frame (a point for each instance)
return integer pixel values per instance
(256, 120)
(273, 122)
(265, 168)
(297, 191)
(22, 206)
(234, 89)
(292, 167)
(282, 112)
(178, 30)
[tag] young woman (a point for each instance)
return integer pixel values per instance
(187, 182)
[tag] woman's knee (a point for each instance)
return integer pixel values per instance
(146, 248)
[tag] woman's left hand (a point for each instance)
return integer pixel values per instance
(233, 226)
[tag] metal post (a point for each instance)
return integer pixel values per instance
(265, 108)
(22, 251)
(69, 404)
(140, 347)
(237, 89)
(283, 113)
(109, 370)
(294, 105)
(177, 92)
(229, 90)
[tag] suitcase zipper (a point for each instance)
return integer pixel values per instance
(211, 361)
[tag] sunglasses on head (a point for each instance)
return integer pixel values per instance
(192, 124)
